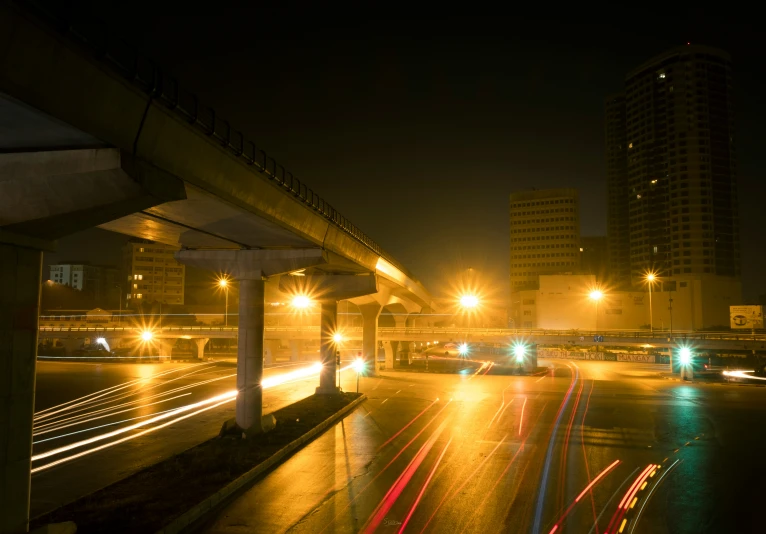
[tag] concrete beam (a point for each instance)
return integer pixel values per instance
(48, 195)
(252, 264)
(20, 273)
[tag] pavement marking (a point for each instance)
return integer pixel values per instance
(687, 443)
(410, 385)
(622, 527)
(536, 381)
(382, 403)
(398, 392)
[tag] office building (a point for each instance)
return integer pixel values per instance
(676, 193)
(151, 274)
(80, 276)
(545, 239)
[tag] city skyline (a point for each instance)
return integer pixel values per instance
(506, 122)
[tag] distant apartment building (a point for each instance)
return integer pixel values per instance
(671, 169)
(80, 276)
(151, 274)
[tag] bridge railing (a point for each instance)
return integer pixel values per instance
(468, 334)
(145, 74)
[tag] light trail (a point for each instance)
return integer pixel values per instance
(425, 486)
(549, 456)
(585, 453)
(396, 457)
(623, 506)
(105, 415)
(405, 427)
(142, 433)
(614, 495)
(110, 408)
(205, 405)
(521, 419)
(743, 374)
(651, 492)
(402, 481)
(121, 396)
(100, 426)
(106, 390)
(565, 451)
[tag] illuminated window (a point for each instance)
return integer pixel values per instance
(138, 296)
(141, 249)
(662, 75)
(135, 286)
(630, 145)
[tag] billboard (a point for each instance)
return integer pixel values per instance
(746, 317)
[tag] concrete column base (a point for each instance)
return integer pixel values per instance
(295, 350)
(327, 390)
(200, 344)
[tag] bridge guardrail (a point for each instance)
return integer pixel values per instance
(439, 331)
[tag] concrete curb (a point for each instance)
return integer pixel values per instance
(210, 504)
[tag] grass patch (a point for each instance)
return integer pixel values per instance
(150, 499)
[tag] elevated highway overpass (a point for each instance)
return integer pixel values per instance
(95, 135)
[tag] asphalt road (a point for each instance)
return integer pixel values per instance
(490, 453)
(113, 399)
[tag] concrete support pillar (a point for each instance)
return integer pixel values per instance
(250, 356)
(165, 348)
(395, 348)
(370, 314)
(20, 272)
(327, 328)
(270, 347)
(388, 349)
(200, 343)
(295, 350)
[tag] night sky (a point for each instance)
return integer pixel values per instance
(417, 128)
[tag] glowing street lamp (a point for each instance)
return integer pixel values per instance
(519, 350)
(650, 278)
(469, 301)
(147, 335)
(685, 358)
(359, 368)
(223, 283)
(301, 302)
(463, 349)
(596, 295)
(337, 337)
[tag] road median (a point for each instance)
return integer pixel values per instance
(175, 493)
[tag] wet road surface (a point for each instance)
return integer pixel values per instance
(591, 447)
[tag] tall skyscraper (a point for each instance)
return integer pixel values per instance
(151, 274)
(545, 235)
(675, 194)
(618, 233)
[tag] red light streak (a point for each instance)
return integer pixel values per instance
(621, 508)
(521, 419)
(404, 478)
(425, 485)
(595, 480)
(405, 427)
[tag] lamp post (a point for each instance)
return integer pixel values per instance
(650, 278)
(596, 295)
(224, 284)
(468, 303)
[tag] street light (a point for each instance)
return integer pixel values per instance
(463, 349)
(223, 283)
(147, 335)
(685, 358)
(469, 301)
(596, 295)
(337, 337)
(359, 368)
(519, 350)
(650, 278)
(301, 302)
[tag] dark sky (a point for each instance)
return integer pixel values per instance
(418, 127)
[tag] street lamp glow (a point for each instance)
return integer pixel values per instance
(301, 302)
(596, 295)
(463, 349)
(651, 277)
(223, 282)
(337, 337)
(685, 356)
(358, 365)
(469, 301)
(147, 335)
(520, 351)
